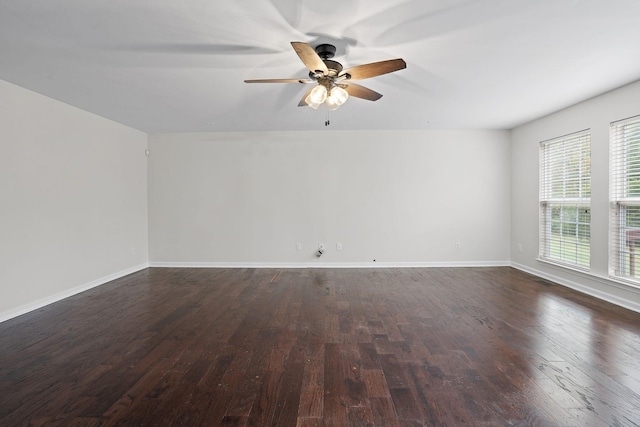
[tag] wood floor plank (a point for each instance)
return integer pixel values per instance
(309, 422)
(405, 404)
(312, 389)
(360, 416)
(392, 347)
(335, 406)
(375, 382)
(368, 356)
(383, 412)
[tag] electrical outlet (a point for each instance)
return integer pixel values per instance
(321, 246)
(338, 246)
(298, 246)
(458, 246)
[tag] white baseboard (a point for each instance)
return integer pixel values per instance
(23, 309)
(585, 289)
(329, 265)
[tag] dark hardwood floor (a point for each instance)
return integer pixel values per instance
(323, 347)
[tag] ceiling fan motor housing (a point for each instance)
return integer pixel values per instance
(334, 68)
(325, 52)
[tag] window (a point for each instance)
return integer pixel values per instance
(565, 200)
(624, 193)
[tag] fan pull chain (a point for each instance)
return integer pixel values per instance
(327, 122)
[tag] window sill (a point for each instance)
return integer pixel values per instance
(627, 282)
(578, 269)
(608, 280)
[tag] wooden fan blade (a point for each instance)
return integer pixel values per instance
(309, 57)
(280, 81)
(362, 92)
(365, 71)
(302, 102)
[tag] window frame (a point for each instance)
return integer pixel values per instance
(556, 194)
(620, 202)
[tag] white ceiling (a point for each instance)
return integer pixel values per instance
(177, 66)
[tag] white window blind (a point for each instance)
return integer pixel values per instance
(565, 200)
(624, 194)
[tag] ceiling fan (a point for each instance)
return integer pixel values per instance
(334, 84)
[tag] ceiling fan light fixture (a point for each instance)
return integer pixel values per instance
(338, 95)
(317, 96)
(313, 105)
(336, 98)
(331, 104)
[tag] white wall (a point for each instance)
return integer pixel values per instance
(399, 197)
(595, 114)
(73, 200)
